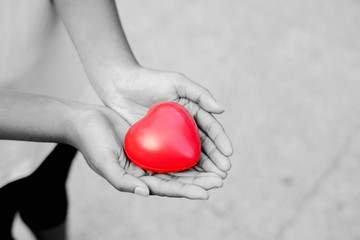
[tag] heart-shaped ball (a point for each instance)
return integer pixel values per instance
(165, 140)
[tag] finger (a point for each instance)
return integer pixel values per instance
(197, 168)
(206, 164)
(192, 173)
(206, 182)
(129, 166)
(208, 123)
(166, 188)
(111, 170)
(189, 89)
(135, 170)
(209, 148)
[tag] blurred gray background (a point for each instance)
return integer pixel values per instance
(288, 74)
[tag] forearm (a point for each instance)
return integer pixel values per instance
(30, 117)
(95, 29)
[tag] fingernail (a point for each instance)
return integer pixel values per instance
(220, 106)
(141, 192)
(205, 197)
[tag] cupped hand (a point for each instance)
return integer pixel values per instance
(99, 133)
(132, 94)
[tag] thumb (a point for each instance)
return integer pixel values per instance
(121, 180)
(189, 89)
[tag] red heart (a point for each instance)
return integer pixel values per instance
(165, 140)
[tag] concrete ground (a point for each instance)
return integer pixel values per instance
(288, 75)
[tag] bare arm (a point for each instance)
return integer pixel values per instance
(32, 117)
(95, 29)
(98, 133)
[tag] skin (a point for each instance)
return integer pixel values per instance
(130, 89)
(98, 133)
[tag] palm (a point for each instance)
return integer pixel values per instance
(144, 88)
(102, 134)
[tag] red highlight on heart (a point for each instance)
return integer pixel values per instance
(165, 140)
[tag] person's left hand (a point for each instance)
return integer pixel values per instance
(132, 94)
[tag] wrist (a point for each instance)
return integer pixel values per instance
(104, 78)
(74, 121)
(110, 81)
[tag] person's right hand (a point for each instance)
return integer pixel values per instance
(99, 133)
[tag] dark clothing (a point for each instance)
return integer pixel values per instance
(40, 198)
